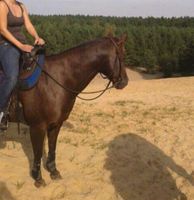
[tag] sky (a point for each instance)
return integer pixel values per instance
(144, 8)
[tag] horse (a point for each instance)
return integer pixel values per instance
(47, 105)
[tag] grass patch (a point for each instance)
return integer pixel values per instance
(65, 140)
(125, 114)
(128, 102)
(103, 115)
(19, 184)
(121, 103)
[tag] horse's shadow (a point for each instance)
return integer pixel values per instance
(22, 137)
(141, 171)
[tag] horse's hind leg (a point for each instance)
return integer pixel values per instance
(52, 132)
(37, 134)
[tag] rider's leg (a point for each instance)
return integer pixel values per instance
(9, 58)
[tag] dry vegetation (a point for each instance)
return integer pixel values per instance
(134, 144)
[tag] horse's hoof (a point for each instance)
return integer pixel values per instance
(40, 183)
(55, 175)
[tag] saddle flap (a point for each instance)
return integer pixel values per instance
(27, 65)
(30, 73)
(28, 61)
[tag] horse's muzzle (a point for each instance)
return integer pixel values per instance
(121, 84)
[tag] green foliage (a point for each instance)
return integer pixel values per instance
(187, 59)
(154, 43)
(167, 64)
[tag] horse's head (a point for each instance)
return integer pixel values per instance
(115, 67)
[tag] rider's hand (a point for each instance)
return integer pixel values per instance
(26, 48)
(39, 41)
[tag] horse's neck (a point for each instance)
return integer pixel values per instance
(75, 75)
(89, 64)
(84, 74)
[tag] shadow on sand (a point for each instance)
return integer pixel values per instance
(141, 171)
(23, 138)
(5, 193)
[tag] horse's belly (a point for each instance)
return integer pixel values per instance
(46, 109)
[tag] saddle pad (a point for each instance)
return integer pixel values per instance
(31, 80)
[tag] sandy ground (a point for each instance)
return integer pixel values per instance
(133, 144)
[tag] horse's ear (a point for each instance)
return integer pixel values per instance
(110, 34)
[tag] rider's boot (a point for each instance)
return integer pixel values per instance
(3, 121)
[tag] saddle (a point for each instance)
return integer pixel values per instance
(31, 65)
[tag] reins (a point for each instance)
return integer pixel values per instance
(78, 92)
(108, 87)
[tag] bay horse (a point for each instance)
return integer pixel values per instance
(47, 105)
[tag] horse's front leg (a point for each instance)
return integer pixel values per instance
(52, 132)
(37, 134)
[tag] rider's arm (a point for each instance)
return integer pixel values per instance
(28, 24)
(3, 26)
(30, 28)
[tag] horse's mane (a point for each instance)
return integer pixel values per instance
(82, 45)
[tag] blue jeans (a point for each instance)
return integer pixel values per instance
(9, 59)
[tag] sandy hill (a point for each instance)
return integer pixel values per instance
(133, 144)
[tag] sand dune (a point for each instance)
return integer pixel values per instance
(133, 144)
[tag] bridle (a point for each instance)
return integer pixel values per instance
(108, 86)
(117, 59)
